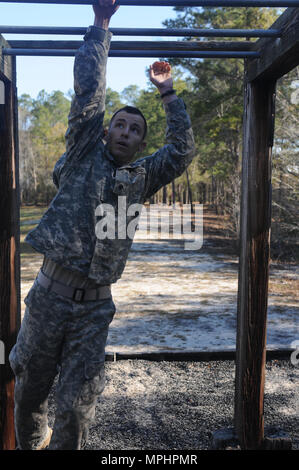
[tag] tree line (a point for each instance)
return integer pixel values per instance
(213, 92)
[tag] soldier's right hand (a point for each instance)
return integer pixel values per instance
(105, 8)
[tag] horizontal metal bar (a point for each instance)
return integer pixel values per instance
(141, 45)
(169, 3)
(184, 32)
(119, 53)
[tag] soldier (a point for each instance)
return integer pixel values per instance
(69, 307)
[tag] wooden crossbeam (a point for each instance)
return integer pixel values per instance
(277, 56)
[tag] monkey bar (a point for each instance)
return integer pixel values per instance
(274, 54)
(177, 3)
(185, 32)
(116, 53)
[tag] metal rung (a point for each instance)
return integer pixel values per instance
(184, 32)
(119, 53)
(169, 3)
(187, 46)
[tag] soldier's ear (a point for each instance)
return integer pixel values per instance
(105, 134)
(142, 146)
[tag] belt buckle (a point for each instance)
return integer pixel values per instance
(78, 295)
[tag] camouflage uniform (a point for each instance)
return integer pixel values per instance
(57, 330)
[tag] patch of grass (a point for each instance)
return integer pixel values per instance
(285, 287)
(28, 213)
(31, 212)
(24, 229)
(26, 250)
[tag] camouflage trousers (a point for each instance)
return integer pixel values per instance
(59, 336)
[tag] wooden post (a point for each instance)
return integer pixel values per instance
(258, 132)
(9, 249)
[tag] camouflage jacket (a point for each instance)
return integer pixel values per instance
(87, 176)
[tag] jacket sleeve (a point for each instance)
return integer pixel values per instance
(171, 161)
(57, 170)
(85, 121)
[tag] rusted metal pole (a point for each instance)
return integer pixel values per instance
(254, 262)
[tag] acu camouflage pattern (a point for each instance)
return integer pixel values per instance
(87, 176)
(59, 335)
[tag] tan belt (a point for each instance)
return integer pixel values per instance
(74, 293)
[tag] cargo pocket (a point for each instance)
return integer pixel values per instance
(30, 295)
(94, 383)
(19, 358)
(26, 343)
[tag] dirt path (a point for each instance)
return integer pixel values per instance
(170, 298)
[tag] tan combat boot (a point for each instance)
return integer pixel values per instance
(46, 441)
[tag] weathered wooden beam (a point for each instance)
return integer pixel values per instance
(5, 61)
(277, 56)
(259, 99)
(10, 312)
(193, 356)
(141, 45)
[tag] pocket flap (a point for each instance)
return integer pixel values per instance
(93, 369)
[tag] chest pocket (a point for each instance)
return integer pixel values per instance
(129, 181)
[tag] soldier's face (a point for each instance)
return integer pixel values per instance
(125, 136)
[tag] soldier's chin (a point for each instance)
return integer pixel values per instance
(121, 156)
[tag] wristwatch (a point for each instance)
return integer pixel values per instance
(94, 32)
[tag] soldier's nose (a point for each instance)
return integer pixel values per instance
(125, 132)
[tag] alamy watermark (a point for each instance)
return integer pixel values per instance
(2, 353)
(295, 94)
(177, 223)
(2, 92)
(295, 354)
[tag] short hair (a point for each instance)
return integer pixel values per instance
(132, 110)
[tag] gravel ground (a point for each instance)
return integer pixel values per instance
(149, 405)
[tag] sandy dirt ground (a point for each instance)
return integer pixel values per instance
(173, 299)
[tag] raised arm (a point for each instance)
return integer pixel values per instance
(85, 125)
(170, 161)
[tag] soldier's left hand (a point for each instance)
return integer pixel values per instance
(160, 75)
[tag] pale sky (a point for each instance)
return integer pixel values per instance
(56, 73)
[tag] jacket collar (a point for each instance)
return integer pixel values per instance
(110, 157)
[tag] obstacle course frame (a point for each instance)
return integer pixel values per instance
(274, 54)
